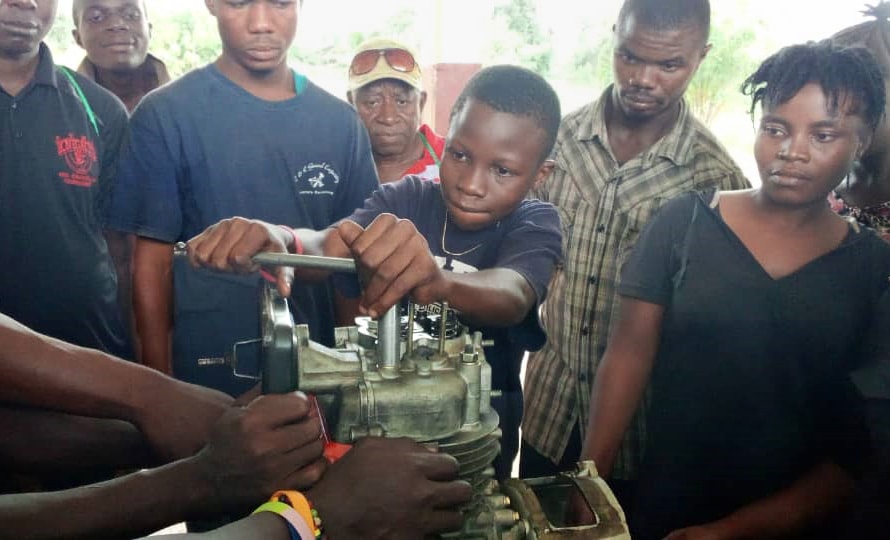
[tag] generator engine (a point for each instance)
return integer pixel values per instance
(423, 376)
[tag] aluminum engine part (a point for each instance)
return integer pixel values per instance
(394, 378)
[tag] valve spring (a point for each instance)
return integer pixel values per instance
(430, 324)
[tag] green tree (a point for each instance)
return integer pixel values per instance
(337, 51)
(59, 38)
(592, 59)
(520, 38)
(721, 74)
(184, 41)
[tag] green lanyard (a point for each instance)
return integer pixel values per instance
(83, 98)
(429, 148)
(299, 85)
(299, 82)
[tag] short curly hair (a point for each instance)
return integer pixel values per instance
(669, 14)
(518, 91)
(849, 76)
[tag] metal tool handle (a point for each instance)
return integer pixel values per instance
(388, 334)
(334, 264)
(388, 343)
(316, 262)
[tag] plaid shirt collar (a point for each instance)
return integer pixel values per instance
(675, 146)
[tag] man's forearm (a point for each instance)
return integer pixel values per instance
(40, 371)
(46, 441)
(621, 380)
(153, 302)
(807, 503)
(497, 297)
(618, 388)
(120, 247)
(126, 507)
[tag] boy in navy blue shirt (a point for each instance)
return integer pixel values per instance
(473, 240)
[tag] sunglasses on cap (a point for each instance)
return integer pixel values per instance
(398, 59)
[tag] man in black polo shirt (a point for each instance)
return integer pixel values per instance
(59, 137)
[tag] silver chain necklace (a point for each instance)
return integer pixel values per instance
(452, 253)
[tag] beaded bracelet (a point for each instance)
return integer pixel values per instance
(304, 508)
(296, 524)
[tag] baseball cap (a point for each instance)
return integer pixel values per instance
(394, 61)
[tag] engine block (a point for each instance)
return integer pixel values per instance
(424, 376)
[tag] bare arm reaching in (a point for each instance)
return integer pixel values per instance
(394, 261)
(42, 372)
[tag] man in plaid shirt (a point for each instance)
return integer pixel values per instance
(618, 160)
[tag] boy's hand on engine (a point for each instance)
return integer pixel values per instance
(394, 261)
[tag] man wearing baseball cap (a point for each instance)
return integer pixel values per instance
(385, 86)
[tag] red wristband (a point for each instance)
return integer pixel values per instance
(298, 244)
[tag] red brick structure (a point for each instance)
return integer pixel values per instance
(443, 83)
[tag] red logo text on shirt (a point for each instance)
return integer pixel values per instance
(80, 155)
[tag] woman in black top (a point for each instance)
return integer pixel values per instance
(745, 312)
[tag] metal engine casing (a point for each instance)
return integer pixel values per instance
(401, 380)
